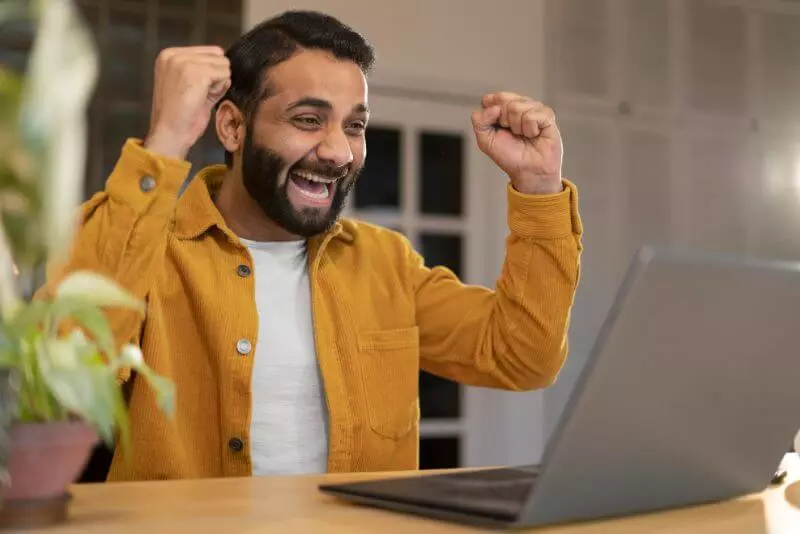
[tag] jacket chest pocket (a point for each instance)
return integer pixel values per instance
(390, 374)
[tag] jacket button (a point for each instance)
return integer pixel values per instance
(243, 347)
(236, 444)
(147, 184)
(243, 271)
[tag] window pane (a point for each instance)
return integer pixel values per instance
(439, 453)
(441, 172)
(221, 34)
(379, 184)
(225, 8)
(444, 250)
(177, 4)
(439, 398)
(123, 61)
(174, 32)
(120, 123)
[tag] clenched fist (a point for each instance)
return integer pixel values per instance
(520, 135)
(188, 83)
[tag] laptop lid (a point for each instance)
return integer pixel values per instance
(691, 393)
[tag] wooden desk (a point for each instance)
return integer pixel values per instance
(294, 506)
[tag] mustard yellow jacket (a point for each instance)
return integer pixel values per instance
(379, 317)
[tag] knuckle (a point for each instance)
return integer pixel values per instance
(517, 107)
(165, 55)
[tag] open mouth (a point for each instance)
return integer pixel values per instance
(315, 187)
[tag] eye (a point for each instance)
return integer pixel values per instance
(308, 121)
(357, 127)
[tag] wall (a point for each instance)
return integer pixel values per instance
(681, 120)
(462, 45)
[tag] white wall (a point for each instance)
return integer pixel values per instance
(681, 121)
(461, 47)
(466, 44)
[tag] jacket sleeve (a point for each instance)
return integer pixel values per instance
(121, 231)
(514, 337)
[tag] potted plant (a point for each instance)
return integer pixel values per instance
(59, 362)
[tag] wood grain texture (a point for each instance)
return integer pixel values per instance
(294, 505)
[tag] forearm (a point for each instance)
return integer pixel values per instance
(513, 337)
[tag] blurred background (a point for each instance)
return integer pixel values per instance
(681, 123)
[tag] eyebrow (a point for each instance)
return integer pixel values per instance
(323, 104)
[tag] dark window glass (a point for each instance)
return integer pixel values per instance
(124, 57)
(444, 250)
(439, 453)
(441, 173)
(379, 184)
(175, 31)
(120, 123)
(439, 398)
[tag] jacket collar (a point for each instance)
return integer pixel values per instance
(196, 212)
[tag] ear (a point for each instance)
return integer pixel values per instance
(230, 126)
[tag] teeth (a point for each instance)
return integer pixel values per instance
(311, 177)
(316, 196)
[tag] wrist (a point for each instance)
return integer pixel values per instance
(166, 144)
(539, 186)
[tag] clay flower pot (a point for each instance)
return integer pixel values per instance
(45, 458)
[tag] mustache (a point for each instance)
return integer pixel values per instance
(328, 171)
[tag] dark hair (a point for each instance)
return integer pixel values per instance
(277, 39)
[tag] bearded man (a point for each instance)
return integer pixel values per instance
(295, 339)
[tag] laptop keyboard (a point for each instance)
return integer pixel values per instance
(509, 485)
(495, 493)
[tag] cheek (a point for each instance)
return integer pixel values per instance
(295, 147)
(359, 151)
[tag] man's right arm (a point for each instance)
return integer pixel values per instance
(122, 231)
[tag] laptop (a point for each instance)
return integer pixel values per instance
(690, 395)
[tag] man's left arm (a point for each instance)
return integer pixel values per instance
(514, 337)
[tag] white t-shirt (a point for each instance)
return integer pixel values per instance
(288, 428)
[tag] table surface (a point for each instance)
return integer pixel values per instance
(294, 505)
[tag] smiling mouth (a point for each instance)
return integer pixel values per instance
(312, 185)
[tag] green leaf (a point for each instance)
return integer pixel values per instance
(165, 392)
(90, 391)
(98, 290)
(69, 382)
(90, 318)
(163, 388)
(28, 318)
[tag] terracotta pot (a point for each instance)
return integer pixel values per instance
(45, 459)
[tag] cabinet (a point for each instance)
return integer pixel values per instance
(681, 123)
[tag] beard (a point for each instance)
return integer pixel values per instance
(262, 169)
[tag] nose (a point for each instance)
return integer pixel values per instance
(335, 149)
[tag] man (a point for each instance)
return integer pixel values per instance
(294, 339)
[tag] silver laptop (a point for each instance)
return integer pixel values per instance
(690, 395)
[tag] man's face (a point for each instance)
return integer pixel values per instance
(305, 146)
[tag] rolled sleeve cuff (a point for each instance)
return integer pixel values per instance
(544, 216)
(140, 177)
